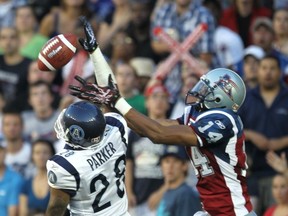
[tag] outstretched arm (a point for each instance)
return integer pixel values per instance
(175, 134)
(58, 202)
(105, 93)
(141, 124)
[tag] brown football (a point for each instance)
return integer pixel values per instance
(57, 52)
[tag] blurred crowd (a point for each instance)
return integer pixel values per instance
(247, 36)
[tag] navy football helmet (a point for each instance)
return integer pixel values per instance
(219, 88)
(81, 125)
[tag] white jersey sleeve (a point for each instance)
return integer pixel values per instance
(67, 179)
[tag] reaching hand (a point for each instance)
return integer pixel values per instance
(94, 93)
(89, 44)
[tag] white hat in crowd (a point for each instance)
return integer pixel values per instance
(255, 51)
(229, 46)
(144, 66)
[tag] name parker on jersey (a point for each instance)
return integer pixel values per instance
(102, 156)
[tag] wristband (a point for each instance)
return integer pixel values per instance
(122, 106)
(101, 68)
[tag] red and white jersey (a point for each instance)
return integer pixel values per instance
(94, 178)
(219, 160)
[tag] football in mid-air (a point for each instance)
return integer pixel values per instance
(57, 52)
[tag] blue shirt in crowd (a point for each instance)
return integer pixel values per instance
(271, 121)
(10, 187)
(35, 204)
(182, 201)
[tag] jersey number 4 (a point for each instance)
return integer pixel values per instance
(120, 179)
(199, 159)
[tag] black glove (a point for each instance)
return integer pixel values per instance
(89, 44)
(96, 94)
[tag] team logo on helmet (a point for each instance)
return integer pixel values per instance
(226, 84)
(76, 132)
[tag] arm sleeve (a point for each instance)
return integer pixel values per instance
(62, 175)
(117, 120)
(214, 128)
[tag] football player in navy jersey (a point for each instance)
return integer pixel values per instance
(210, 128)
(88, 175)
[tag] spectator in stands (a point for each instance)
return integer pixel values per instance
(43, 7)
(35, 194)
(117, 21)
(182, 18)
(263, 34)
(65, 19)
(280, 184)
(123, 48)
(264, 116)
(280, 194)
(143, 171)
(18, 150)
(228, 44)
(26, 24)
(252, 56)
(179, 19)
(280, 26)
(127, 82)
(10, 186)
(179, 198)
(13, 66)
(139, 28)
(39, 122)
(35, 75)
(240, 16)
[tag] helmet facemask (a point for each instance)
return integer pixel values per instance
(202, 92)
(59, 126)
